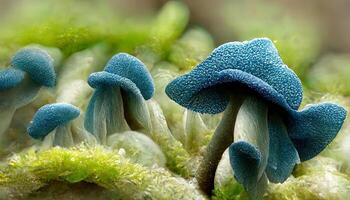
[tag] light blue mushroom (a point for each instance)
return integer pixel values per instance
(52, 124)
(31, 68)
(249, 81)
(118, 103)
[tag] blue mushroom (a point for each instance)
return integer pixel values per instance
(118, 102)
(261, 125)
(31, 68)
(52, 124)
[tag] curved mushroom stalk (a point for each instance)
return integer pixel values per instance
(14, 98)
(53, 124)
(249, 152)
(222, 138)
(195, 131)
(31, 68)
(118, 103)
(105, 114)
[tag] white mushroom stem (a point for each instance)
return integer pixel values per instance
(251, 126)
(222, 138)
(68, 135)
(14, 98)
(245, 118)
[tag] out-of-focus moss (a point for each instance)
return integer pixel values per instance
(193, 47)
(297, 40)
(317, 179)
(331, 74)
(75, 25)
(226, 186)
(178, 159)
(168, 26)
(30, 171)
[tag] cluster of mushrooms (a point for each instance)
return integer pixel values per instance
(258, 94)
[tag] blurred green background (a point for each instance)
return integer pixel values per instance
(310, 35)
(172, 37)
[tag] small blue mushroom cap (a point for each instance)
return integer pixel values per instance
(245, 160)
(254, 64)
(131, 68)
(37, 63)
(49, 117)
(124, 71)
(10, 77)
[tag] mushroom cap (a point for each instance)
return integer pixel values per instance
(105, 79)
(128, 67)
(49, 117)
(10, 78)
(254, 64)
(37, 63)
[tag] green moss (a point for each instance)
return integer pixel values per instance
(331, 74)
(193, 47)
(178, 159)
(168, 26)
(27, 172)
(230, 191)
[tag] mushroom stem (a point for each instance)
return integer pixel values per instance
(222, 138)
(12, 99)
(107, 115)
(249, 152)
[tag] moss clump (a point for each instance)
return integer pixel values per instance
(28, 172)
(193, 47)
(331, 74)
(178, 159)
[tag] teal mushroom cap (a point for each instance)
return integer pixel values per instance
(37, 63)
(30, 69)
(34, 61)
(124, 85)
(255, 68)
(49, 117)
(10, 77)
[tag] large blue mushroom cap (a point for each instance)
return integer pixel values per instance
(37, 63)
(49, 117)
(254, 65)
(126, 71)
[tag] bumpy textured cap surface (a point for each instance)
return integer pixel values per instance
(314, 127)
(37, 63)
(105, 79)
(10, 78)
(129, 67)
(50, 116)
(254, 64)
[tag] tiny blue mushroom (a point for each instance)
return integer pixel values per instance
(260, 96)
(31, 68)
(118, 103)
(51, 123)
